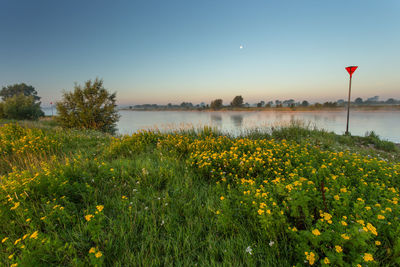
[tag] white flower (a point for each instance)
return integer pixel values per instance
(271, 243)
(249, 250)
(162, 222)
(146, 208)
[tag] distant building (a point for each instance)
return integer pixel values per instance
(373, 99)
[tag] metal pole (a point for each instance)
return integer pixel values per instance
(348, 108)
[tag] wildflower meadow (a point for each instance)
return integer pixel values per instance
(290, 197)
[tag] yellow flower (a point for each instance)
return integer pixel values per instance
(28, 220)
(17, 241)
(343, 223)
(16, 205)
(25, 236)
(44, 217)
(336, 197)
(34, 235)
(294, 229)
(372, 229)
(14, 265)
(344, 236)
(92, 250)
(316, 232)
(98, 254)
(368, 257)
(310, 257)
(260, 211)
(377, 242)
(381, 217)
(338, 249)
(11, 256)
(111, 170)
(4, 239)
(222, 198)
(100, 208)
(326, 260)
(88, 217)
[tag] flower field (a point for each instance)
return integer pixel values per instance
(193, 197)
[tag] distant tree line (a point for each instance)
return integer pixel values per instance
(238, 102)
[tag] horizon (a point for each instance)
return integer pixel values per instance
(176, 51)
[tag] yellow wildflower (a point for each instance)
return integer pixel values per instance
(92, 250)
(378, 243)
(17, 241)
(88, 217)
(98, 254)
(338, 249)
(344, 236)
(4, 239)
(100, 208)
(368, 257)
(222, 198)
(34, 235)
(16, 205)
(316, 232)
(372, 229)
(326, 260)
(381, 217)
(336, 197)
(310, 257)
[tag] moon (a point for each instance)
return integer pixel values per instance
(241, 47)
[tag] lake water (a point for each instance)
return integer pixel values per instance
(385, 123)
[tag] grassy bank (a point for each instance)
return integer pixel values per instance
(289, 196)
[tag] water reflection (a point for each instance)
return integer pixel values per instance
(216, 119)
(237, 120)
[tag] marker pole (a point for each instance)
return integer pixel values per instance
(348, 108)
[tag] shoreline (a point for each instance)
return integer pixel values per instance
(285, 109)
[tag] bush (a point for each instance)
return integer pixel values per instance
(21, 107)
(90, 107)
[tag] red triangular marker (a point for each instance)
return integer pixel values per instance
(351, 70)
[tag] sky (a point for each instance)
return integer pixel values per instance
(171, 51)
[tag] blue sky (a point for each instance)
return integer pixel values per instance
(173, 51)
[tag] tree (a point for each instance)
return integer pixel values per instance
(21, 107)
(358, 100)
(216, 104)
(261, 104)
(390, 101)
(305, 103)
(237, 101)
(19, 88)
(89, 107)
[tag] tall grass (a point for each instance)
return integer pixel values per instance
(148, 205)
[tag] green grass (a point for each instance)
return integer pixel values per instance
(169, 214)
